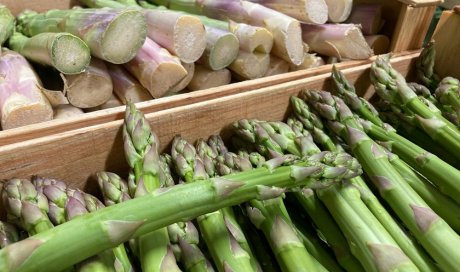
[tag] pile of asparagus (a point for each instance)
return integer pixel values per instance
(282, 196)
(116, 51)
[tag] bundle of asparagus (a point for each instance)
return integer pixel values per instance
(271, 162)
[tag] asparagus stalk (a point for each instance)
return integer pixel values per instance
(6, 24)
(443, 205)
(131, 219)
(25, 206)
(8, 234)
(425, 67)
(63, 51)
(307, 11)
(66, 111)
(252, 38)
(431, 231)
(125, 86)
(277, 66)
(392, 87)
(91, 88)
(337, 40)
(418, 158)
(310, 61)
(156, 69)
(369, 16)
(181, 85)
(448, 93)
(141, 151)
(224, 249)
(181, 34)
(21, 100)
(103, 30)
(204, 78)
(286, 30)
(250, 65)
(222, 48)
(317, 248)
(339, 10)
(313, 124)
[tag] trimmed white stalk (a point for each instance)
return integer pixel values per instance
(344, 41)
(156, 69)
(21, 100)
(250, 65)
(307, 11)
(66, 111)
(310, 61)
(190, 67)
(369, 16)
(63, 51)
(339, 10)
(104, 30)
(222, 47)
(205, 78)
(91, 88)
(125, 86)
(183, 35)
(379, 43)
(277, 66)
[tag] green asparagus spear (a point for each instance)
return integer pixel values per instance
(6, 24)
(8, 234)
(425, 67)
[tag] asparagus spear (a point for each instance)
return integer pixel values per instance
(125, 86)
(425, 67)
(131, 219)
(181, 85)
(443, 205)
(277, 66)
(391, 86)
(250, 65)
(8, 234)
(64, 51)
(448, 93)
(65, 204)
(21, 100)
(222, 48)
(312, 123)
(204, 78)
(6, 24)
(286, 30)
(141, 151)
(252, 38)
(91, 88)
(369, 16)
(224, 249)
(431, 231)
(339, 10)
(104, 30)
(427, 164)
(181, 34)
(156, 69)
(25, 206)
(307, 11)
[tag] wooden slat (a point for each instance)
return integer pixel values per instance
(75, 156)
(421, 3)
(447, 44)
(411, 28)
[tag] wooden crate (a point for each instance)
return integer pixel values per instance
(75, 156)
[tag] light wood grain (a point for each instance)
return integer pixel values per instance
(447, 45)
(75, 156)
(411, 27)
